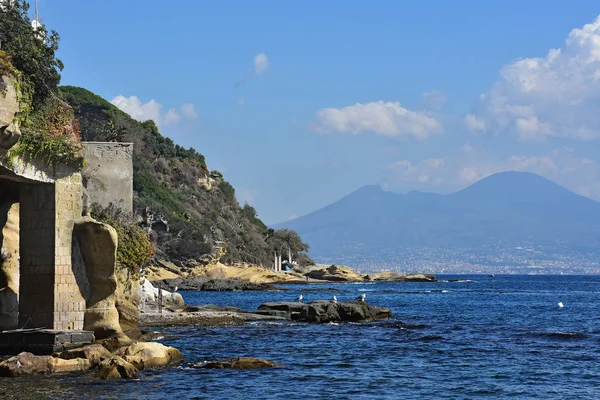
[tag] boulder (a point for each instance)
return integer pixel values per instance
(9, 107)
(292, 310)
(239, 363)
(420, 278)
(28, 364)
(150, 355)
(9, 260)
(150, 295)
(98, 245)
(324, 311)
(95, 354)
(214, 285)
(116, 368)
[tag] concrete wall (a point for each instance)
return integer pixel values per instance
(109, 174)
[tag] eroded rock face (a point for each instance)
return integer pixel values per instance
(239, 363)
(98, 247)
(9, 107)
(28, 364)
(9, 263)
(150, 355)
(116, 368)
(128, 297)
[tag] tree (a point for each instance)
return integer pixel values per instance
(32, 52)
(287, 240)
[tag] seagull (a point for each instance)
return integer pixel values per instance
(334, 299)
(174, 290)
(560, 304)
(361, 297)
(299, 298)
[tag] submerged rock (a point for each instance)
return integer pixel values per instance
(327, 311)
(150, 355)
(239, 363)
(116, 368)
(29, 364)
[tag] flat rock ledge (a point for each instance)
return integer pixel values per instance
(213, 285)
(323, 311)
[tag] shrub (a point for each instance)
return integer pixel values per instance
(135, 248)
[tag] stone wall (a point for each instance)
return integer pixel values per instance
(108, 174)
(50, 289)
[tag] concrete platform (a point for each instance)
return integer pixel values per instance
(42, 341)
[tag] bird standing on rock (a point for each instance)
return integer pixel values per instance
(299, 299)
(362, 297)
(334, 299)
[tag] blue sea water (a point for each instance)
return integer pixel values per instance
(482, 337)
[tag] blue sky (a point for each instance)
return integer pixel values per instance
(300, 103)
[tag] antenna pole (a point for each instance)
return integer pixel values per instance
(37, 17)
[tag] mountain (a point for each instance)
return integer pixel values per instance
(504, 210)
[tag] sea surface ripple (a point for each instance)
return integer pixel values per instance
(481, 337)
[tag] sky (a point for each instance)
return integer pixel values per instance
(301, 103)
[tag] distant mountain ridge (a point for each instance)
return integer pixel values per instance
(504, 209)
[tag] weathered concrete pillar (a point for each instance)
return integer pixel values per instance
(50, 294)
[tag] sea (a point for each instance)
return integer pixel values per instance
(466, 337)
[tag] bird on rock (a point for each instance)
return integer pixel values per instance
(299, 299)
(334, 299)
(362, 297)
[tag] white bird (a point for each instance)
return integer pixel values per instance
(362, 297)
(560, 304)
(299, 298)
(334, 299)
(174, 290)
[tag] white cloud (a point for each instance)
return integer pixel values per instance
(470, 164)
(382, 118)
(434, 99)
(261, 63)
(153, 110)
(557, 95)
(187, 110)
(474, 123)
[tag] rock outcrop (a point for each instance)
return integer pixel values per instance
(28, 364)
(239, 363)
(116, 368)
(98, 246)
(128, 297)
(9, 264)
(327, 311)
(9, 107)
(95, 354)
(214, 285)
(150, 355)
(335, 273)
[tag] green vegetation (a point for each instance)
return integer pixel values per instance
(51, 151)
(33, 53)
(49, 127)
(135, 247)
(173, 183)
